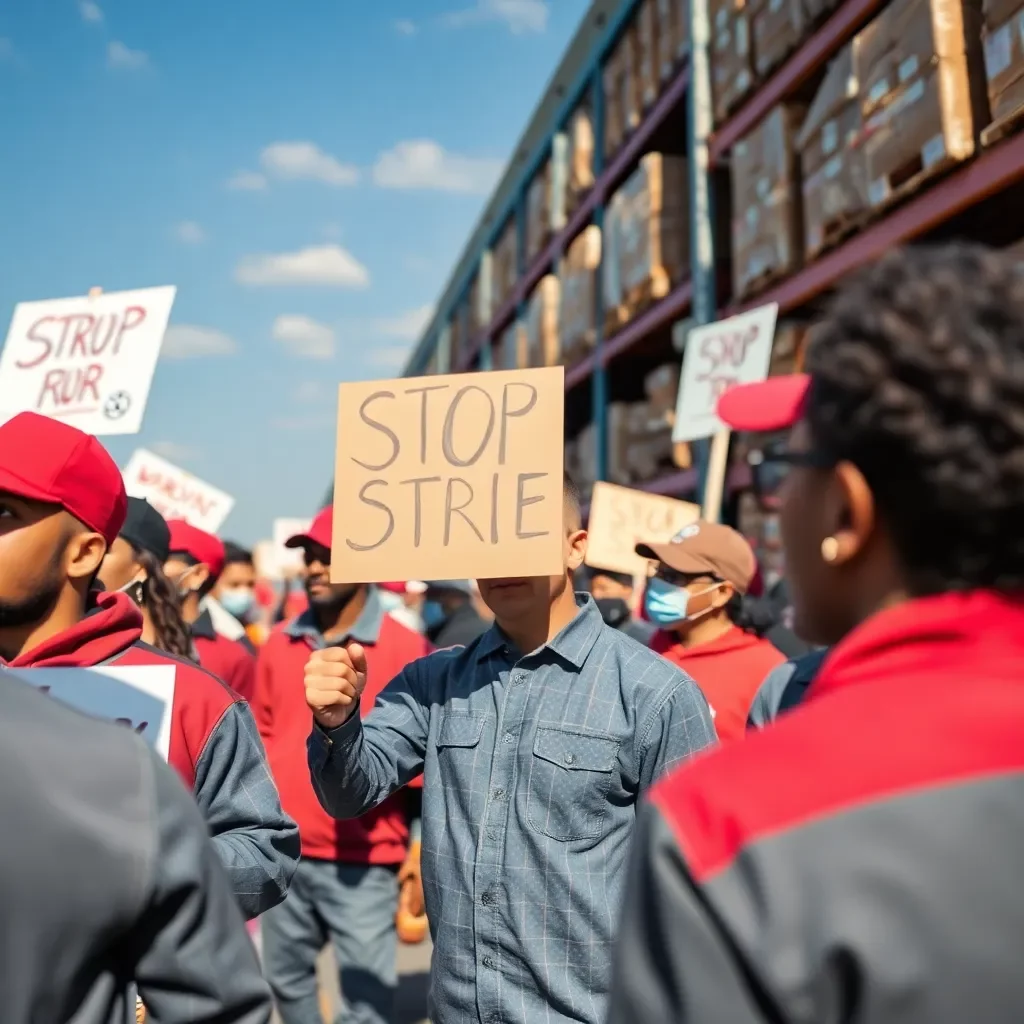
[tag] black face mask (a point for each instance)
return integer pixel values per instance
(613, 610)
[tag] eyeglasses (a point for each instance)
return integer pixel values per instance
(769, 467)
(680, 579)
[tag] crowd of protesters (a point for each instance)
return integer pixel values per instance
(607, 799)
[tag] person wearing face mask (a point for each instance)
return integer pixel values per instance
(195, 563)
(613, 594)
(235, 591)
(449, 615)
(134, 564)
(346, 888)
(695, 598)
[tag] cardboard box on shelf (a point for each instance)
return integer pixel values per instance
(647, 237)
(577, 273)
(923, 94)
(481, 306)
(767, 237)
(580, 179)
(509, 349)
(778, 27)
(538, 211)
(732, 58)
(614, 126)
(505, 263)
(648, 79)
(833, 162)
(1003, 36)
(662, 388)
(640, 445)
(581, 459)
(458, 341)
(541, 323)
(672, 27)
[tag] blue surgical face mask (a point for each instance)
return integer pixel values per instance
(433, 614)
(668, 605)
(238, 601)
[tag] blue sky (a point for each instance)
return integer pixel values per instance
(305, 173)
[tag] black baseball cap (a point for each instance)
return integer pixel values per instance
(146, 530)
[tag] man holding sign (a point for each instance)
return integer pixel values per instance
(62, 505)
(536, 742)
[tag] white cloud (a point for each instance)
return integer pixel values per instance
(408, 325)
(424, 164)
(121, 58)
(90, 11)
(189, 341)
(521, 16)
(189, 232)
(329, 265)
(247, 181)
(304, 336)
(175, 452)
(405, 27)
(305, 161)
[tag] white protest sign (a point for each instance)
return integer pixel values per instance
(88, 360)
(140, 698)
(718, 357)
(174, 492)
(288, 559)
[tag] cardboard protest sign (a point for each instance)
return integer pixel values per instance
(139, 698)
(288, 560)
(720, 356)
(88, 360)
(174, 492)
(621, 518)
(449, 477)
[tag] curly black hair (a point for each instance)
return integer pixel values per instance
(160, 599)
(918, 380)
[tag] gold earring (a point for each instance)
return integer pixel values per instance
(830, 549)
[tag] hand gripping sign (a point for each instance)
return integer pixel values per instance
(449, 477)
(86, 360)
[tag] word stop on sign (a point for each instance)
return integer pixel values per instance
(449, 477)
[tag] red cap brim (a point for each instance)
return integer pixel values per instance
(773, 404)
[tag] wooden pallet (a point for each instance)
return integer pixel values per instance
(908, 179)
(838, 229)
(1006, 125)
(763, 281)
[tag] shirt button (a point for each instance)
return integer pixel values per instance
(509, 737)
(487, 899)
(570, 758)
(517, 677)
(492, 835)
(498, 794)
(489, 963)
(505, 651)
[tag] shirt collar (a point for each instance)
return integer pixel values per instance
(573, 643)
(365, 630)
(203, 626)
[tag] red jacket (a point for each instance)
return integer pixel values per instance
(729, 671)
(227, 659)
(284, 720)
(214, 747)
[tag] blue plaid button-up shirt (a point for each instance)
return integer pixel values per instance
(532, 769)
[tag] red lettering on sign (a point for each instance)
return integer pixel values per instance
(722, 357)
(69, 390)
(177, 491)
(90, 336)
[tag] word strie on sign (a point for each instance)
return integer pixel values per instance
(449, 477)
(174, 492)
(621, 518)
(718, 357)
(87, 360)
(139, 698)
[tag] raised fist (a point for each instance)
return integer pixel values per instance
(335, 678)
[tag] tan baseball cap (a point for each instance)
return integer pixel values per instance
(706, 548)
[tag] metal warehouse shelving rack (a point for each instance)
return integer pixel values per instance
(964, 203)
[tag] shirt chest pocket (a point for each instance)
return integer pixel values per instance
(458, 744)
(570, 775)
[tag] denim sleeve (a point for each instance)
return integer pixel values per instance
(765, 707)
(679, 727)
(194, 962)
(359, 764)
(257, 842)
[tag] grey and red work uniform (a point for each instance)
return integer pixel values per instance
(860, 859)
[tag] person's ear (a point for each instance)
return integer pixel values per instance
(851, 509)
(577, 549)
(200, 574)
(84, 555)
(723, 595)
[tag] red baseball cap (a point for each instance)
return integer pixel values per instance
(197, 544)
(772, 404)
(319, 531)
(43, 459)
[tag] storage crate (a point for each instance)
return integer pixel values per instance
(580, 158)
(538, 211)
(646, 244)
(673, 36)
(778, 27)
(1003, 36)
(541, 323)
(767, 236)
(923, 98)
(648, 79)
(505, 263)
(732, 58)
(577, 333)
